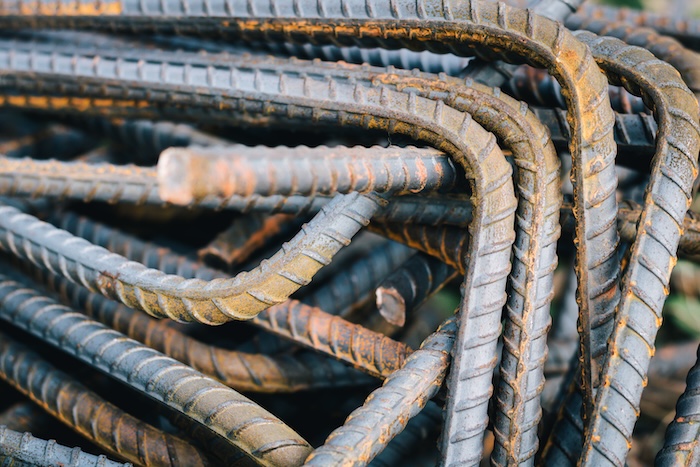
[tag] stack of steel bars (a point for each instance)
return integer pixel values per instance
(348, 232)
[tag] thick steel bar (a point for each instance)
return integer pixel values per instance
(497, 209)
(191, 174)
(178, 298)
(371, 352)
(682, 443)
(239, 370)
(653, 253)
(226, 413)
(23, 447)
(387, 410)
(81, 409)
(411, 285)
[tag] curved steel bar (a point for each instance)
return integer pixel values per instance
(388, 409)
(239, 370)
(226, 413)
(163, 295)
(99, 421)
(653, 253)
(368, 351)
(491, 187)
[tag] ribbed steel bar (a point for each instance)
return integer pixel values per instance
(578, 63)
(81, 409)
(498, 73)
(686, 30)
(337, 294)
(191, 174)
(25, 448)
(224, 412)
(387, 410)
(665, 48)
(139, 185)
(653, 253)
(528, 160)
(411, 439)
(356, 282)
(411, 285)
(682, 443)
(634, 133)
(306, 325)
(496, 206)
(178, 298)
(239, 370)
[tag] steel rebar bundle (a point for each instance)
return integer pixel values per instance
(356, 232)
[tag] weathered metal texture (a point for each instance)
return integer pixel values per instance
(387, 410)
(411, 285)
(530, 155)
(139, 185)
(537, 87)
(115, 431)
(239, 370)
(664, 48)
(303, 324)
(357, 282)
(366, 350)
(192, 174)
(244, 424)
(232, 171)
(498, 73)
(486, 18)
(181, 299)
(419, 428)
(448, 244)
(28, 450)
(686, 30)
(491, 187)
(246, 236)
(682, 443)
(653, 253)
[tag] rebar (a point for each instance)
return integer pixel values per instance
(296, 120)
(245, 425)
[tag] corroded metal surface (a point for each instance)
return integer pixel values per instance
(219, 166)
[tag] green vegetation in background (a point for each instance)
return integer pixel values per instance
(636, 4)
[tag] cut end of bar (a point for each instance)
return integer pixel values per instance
(391, 306)
(176, 177)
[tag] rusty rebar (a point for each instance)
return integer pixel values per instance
(387, 410)
(23, 447)
(683, 434)
(192, 300)
(226, 413)
(411, 285)
(99, 421)
(239, 370)
(312, 327)
(653, 252)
